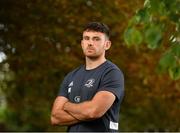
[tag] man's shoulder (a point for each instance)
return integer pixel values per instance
(112, 66)
(75, 70)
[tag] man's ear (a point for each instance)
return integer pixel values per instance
(107, 45)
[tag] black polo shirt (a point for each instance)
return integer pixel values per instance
(81, 85)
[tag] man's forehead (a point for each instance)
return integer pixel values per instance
(93, 33)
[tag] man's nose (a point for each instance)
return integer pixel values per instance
(90, 42)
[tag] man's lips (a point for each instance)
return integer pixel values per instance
(90, 49)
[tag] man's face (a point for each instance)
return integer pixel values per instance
(94, 44)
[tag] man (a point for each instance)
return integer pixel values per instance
(90, 96)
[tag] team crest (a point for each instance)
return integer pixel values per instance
(89, 83)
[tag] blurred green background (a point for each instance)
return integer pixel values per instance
(40, 44)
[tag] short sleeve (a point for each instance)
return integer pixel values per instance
(64, 87)
(113, 81)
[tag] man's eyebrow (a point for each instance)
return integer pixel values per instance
(86, 36)
(96, 37)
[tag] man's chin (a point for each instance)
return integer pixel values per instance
(92, 57)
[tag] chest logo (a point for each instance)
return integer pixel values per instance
(89, 83)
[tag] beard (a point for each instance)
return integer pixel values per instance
(93, 55)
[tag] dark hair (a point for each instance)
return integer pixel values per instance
(98, 27)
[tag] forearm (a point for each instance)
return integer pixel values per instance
(59, 116)
(63, 118)
(82, 111)
(92, 109)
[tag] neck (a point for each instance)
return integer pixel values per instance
(93, 63)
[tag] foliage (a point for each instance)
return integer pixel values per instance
(157, 24)
(41, 42)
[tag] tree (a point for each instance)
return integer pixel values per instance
(157, 24)
(41, 41)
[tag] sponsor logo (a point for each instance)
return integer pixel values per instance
(77, 99)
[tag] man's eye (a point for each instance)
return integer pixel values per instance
(96, 39)
(86, 38)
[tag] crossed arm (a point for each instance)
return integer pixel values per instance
(59, 116)
(67, 113)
